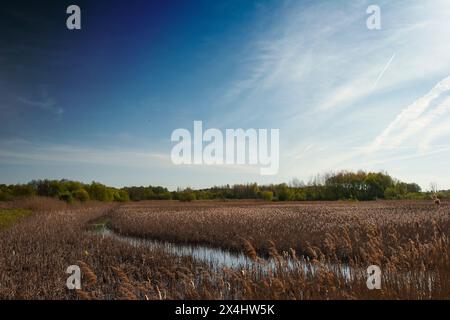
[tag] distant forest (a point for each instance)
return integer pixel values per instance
(345, 185)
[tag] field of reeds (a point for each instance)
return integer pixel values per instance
(295, 250)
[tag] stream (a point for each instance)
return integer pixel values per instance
(219, 258)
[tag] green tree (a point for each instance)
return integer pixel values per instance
(100, 192)
(187, 195)
(66, 196)
(23, 190)
(5, 193)
(81, 195)
(283, 192)
(377, 183)
(121, 196)
(266, 195)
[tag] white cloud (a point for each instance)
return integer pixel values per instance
(415, 120)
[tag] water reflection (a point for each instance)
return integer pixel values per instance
(219, 258)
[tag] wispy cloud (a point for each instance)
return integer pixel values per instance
(22, 152)
(47, 104)
(332, 85)
(415, 119)
(306, 63)
(25, 152)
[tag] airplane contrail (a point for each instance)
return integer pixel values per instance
(383, 71)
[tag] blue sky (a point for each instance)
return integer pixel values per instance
(101, 103)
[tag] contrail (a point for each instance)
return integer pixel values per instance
(412, 116)
(384, 70)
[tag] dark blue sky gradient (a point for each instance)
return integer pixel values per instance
(138, 66)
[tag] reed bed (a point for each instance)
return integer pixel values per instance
(409, 241)
(342, 232)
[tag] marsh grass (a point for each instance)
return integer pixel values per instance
(9, 216)
(407, 240)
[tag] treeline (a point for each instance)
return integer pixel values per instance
(343, 185)
(66, 190)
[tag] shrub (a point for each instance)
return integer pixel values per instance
(23, 190)
(121, 196)
(187, 195)
(266, 195)
(283, 192)
(100, 192)
(81, 195)
(66, 196)
(5, 195)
